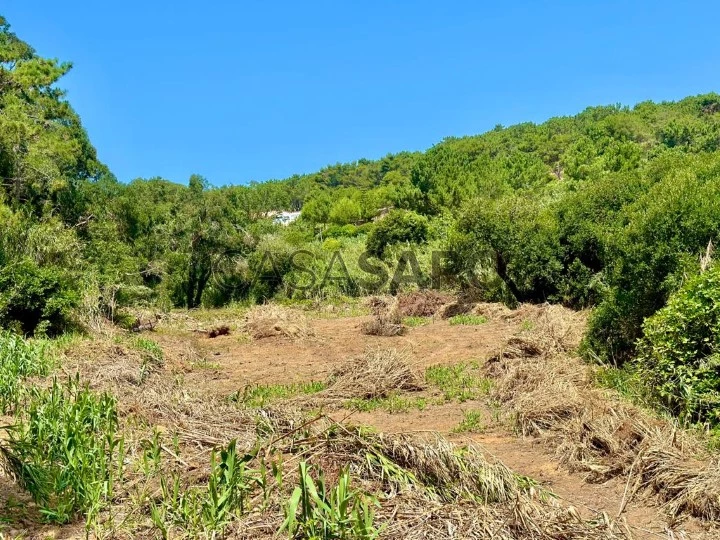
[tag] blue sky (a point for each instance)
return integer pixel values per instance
(240, 91)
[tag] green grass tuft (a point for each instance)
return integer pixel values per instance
(260, 395)
(471, 423)
(412, 322)
(460, 382)
(467, 320)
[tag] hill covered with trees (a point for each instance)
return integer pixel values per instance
(609, 209)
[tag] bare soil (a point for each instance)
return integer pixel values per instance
(230, 363)
(217, 367)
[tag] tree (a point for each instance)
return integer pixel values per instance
(344, 211)
(398, 226)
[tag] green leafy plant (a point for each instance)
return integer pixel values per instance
(416, 321)
(679, 354)
(316, 511)
(19, 358)
(207, 509)
(260, 395)
(472, 422)
(66, 450)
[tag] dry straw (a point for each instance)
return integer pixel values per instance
(375, 374)
(551, 394)
(386, 318)
(271, 320)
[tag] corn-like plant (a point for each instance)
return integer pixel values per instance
(317, 512)
(19, 358)
(207, 510)
(66, 451)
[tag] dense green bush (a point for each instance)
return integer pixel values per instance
(35, 299)
(398, 226)
(679, 354)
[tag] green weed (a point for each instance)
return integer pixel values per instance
(471, 423)
(260, 395)
(458, 382)
(412, 322)
(19, 358)
(206, 510)
(467, 320)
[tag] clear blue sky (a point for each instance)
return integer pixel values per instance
(240, 91)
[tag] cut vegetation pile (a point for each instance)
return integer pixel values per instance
(270, 320)
(376, 374)
(551, 394)
(423, 303)
(386, 318)
(428, 487)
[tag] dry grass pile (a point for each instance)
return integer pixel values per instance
(423, 303)
(411, 519)
(451, 474)
(551, 394)
(431, 488)
(272, 320)
(156, 397)
(386, 318)
(222, 330)
(375, 374)
(453, 309)
(492, 310)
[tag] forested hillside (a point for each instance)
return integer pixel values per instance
(610, 209)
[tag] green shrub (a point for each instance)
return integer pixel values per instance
(35, 299)
(679, 354)
(66, 450)
(342, 231)
(398, 226)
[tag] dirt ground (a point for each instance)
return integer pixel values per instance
(227, 364)
(216, 368)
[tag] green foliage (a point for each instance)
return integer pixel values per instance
(66, 451)
(19, 359)
(461, 382)
(261, 395)
(318, 511)
(416, 321)
(679, 354)
(207, 509)
(472, 422)
(398, 226)
(345, 211)
(35, 299)
(472, 320)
